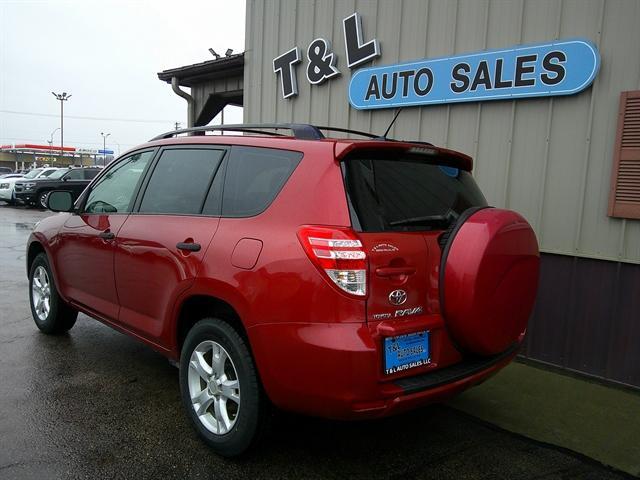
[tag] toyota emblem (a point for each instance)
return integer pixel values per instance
(397, 297)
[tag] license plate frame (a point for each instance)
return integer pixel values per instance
(405, 352)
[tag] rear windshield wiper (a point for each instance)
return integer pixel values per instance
(430, 220)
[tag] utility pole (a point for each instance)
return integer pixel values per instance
(63, 97)
(104, 147)
(177, 125)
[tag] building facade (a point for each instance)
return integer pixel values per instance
(549, 156)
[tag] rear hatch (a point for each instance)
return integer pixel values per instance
(402, 200)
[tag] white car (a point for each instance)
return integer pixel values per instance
(7, 184)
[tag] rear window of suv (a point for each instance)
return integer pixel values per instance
(394, 191)
(254, 177)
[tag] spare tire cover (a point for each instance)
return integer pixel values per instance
(489, 279)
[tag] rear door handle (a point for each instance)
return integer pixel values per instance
(189, 247)
(394, 271)
(107, 235)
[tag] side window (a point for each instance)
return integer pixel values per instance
(90, 173)
(75, 174)
(114, 191)
(254, 177)
(180, 181)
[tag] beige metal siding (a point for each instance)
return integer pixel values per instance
(549, 159)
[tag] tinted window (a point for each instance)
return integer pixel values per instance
(114, 191)
(402, 193)
(75, 174)
(180, 181)
(254, 177)
(48, 173)
(58, 173)
(90, 173)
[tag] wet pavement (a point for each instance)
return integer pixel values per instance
(97, 404)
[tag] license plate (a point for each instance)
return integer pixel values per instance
(406, 351)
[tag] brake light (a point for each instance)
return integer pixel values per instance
(338, 253)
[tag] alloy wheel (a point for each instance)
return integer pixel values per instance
(41, 293)
(43, 200)
(214, 387)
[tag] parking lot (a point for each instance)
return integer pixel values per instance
(95, 403)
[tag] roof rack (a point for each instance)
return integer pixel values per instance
(301, 131)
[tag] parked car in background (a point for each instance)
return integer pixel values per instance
(5, 170)
(340, 278)
(34, 192)
(7, 184)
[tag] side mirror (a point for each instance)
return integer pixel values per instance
(60, 201)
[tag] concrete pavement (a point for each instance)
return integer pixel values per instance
(599, 421)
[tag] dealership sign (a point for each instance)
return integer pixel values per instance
(321, 61)
(545, 69)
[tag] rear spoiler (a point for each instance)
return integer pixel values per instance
(445, 156)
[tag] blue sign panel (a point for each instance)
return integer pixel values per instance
(553, 68)
(106, 152)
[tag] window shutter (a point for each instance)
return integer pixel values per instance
(624, 199)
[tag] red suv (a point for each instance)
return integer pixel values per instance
(333, 277)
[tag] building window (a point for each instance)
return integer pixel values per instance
(624, 199)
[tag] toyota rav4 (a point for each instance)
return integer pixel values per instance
(333, 277)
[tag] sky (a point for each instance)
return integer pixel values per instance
(106, 54)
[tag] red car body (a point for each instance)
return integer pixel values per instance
(318, 350)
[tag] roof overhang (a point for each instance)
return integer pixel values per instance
(187, 76)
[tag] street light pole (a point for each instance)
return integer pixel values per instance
(104, 147)
(63, 97)
(51, 143)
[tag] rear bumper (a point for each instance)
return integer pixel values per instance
(444, 384)
(335, 370)
(464, 370)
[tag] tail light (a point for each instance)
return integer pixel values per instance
(338, 253)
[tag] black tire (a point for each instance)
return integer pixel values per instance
(61, 317)
(252, 415)
(42, 200)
